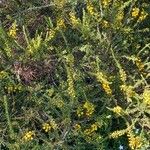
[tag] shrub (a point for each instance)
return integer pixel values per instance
(74, 74)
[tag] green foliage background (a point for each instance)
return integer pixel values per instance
(83, 65)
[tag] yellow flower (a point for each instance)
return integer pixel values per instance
(120, 16)
(73, 19)
(135, 142)
(123, 75)
(46, 127)
(117, 110)
(105, 24)
(49, 126)
(87, 132)
(50, 34)
(29, 136)
(59, 103)
(90, 9)
(60, 23)
(3, 74)
(135, 12)
(146, 96)
(13, 30)
(103, 80)
(117, 134)
(142, 16)
(53, 124)
(60, 3)
(128, 90)
(107, 88)
(89, 108)
(105, 3)
(77, 127)
(94, 127)
(91, 129)
(80, 111)
(139, 64)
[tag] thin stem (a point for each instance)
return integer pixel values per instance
(8, 117)
(113, 55)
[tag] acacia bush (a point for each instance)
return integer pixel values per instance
(74, 74)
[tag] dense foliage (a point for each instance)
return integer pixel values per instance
(74, 74)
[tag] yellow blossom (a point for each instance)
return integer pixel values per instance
(103, 80)
(50, 34)
(120, 16)
(87, 131)
(117, 110)
(146, 96)
(73, 19)
(134, 142)
(94, 127)
(107, 88)
(90, 9)
(3, 74)
(13, 30)
(89, 108)
(135, 12)
(53, 124)
(49, 126)
(117, 134)
(105, 24)
(46, 127)
(59, 103)
(80, 111)
(77, 126)
(142, 16)
(91, 129)
(60, 3)
(123, 75)
(60, 23)
(139, 64)
(128, 90)
(29, 136)
(105, 3)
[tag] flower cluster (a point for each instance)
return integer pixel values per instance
(118, 110)
(135, 12)
(105, 83)
(46, 127)
(13, 88)
(143, 15)
(13, 30)
(123, 75)
(90, 9)
(139, 64)
(87, 109)
(146, 96)
(117, 134)
(70, 82)
(49, 126)
(29, 136)
(50, 34)
(74, 21)
(77, 127)
(105, 24)
(3, 74)
(105, 3)
(61, 23)
(135, 142)
(128, 90)
(92, 129)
